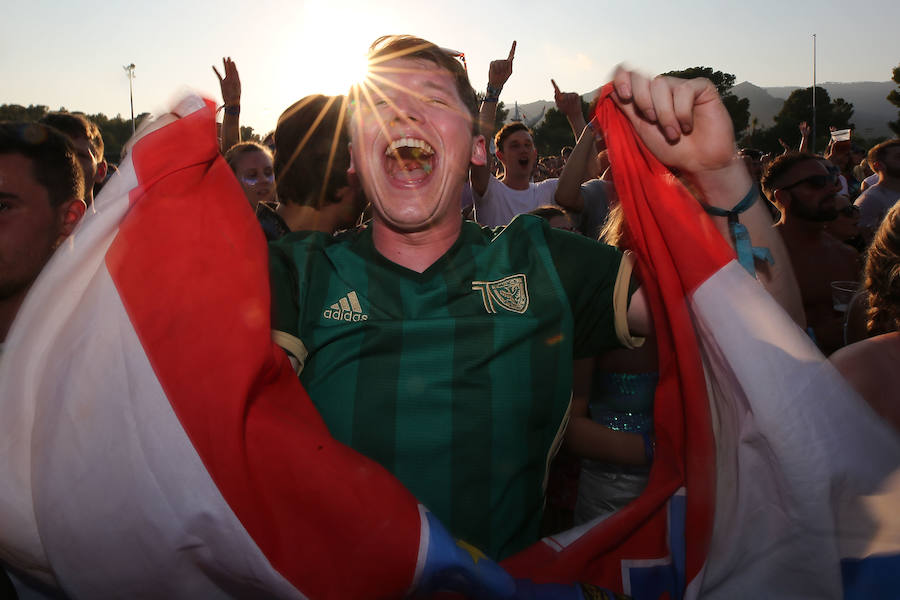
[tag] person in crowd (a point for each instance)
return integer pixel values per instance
(870, 365)
(611, 423)
(421, 280)
(878, 199)
(497, 201)
(85, 137)
(230, 85)
(845, 226)
(805, 192)
(312, 156)
(41, 202)
(252, 165)
(585, 197)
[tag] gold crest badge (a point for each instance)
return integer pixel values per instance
(510, 293)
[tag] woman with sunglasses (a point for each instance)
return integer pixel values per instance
(252, 165)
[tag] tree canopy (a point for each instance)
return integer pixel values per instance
(738, 108)
(894, 98)
(115, 131)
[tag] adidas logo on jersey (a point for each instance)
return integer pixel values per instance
(346, 309)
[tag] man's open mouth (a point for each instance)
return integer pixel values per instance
(409, 160)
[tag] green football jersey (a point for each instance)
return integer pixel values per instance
(457, 379)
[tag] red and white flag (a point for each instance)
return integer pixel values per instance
(772, 478)
(155, 442)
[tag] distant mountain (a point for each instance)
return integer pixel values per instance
(871, 110)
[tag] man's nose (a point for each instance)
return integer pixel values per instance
(405, 110)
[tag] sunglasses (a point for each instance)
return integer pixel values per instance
(460, 56)
(252, 181)
(849, 211)
(816, 181)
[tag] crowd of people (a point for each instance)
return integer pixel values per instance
(416, 287)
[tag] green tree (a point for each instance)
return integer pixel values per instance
(894, 98)
(738, 108)
(554, 132)
(247, 134)
(798, 107)
(16, 112)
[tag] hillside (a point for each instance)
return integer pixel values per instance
(871, 112)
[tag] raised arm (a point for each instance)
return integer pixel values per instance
(231, 97)
(569, 104)
(805, 131)
(685, 125)
(568, 190)
(498, 75)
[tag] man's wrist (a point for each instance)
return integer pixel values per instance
(493, 92)
(232, 109)
(723, 187)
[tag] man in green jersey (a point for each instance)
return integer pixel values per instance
(444, 350)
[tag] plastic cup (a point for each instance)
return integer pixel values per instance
(840, 135)
(841, 294)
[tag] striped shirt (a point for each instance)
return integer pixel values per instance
(457, 379)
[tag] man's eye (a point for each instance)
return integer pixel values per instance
(437, 100)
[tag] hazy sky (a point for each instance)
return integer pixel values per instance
(65, 53)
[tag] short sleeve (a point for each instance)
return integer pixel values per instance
(285, 289)
(597, 280)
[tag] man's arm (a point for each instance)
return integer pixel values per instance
(569, 104)
(231, 97)
(498, 74)
(685, 125)
(568, 190)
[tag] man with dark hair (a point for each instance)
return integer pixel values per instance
(418, 337)
(803, 188)
(41, 189)
(497, 201)
(312, 156)
(85, 137)
(878, 199)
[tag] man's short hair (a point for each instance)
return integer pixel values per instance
(311, 151)
(878, 152)
(389, 47)
(773, 177)
(76, 125)
(507, 130)
(54, 163)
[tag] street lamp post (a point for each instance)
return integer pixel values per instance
(812, 142)
(129, 72)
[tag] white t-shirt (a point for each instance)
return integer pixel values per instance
(500, 203)
(874, 203)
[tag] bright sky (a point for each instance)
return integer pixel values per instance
(65, 53)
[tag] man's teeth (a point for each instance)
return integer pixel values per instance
(409, 143)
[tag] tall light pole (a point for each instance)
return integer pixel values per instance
(129, 72)
(812, 142)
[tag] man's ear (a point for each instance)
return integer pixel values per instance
(351, 170)
(102, 167)
(782, 198)
(479, 151)
(71, 213)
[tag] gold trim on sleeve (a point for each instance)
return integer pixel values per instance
(293, 345)
(620, 303)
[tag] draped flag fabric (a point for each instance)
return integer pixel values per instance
(772, 478)
(155, 442)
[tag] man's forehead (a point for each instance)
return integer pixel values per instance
(806, 168)
(413, 70)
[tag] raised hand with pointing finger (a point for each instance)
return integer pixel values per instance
(501, 69)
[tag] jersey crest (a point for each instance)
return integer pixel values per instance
(510, 293)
